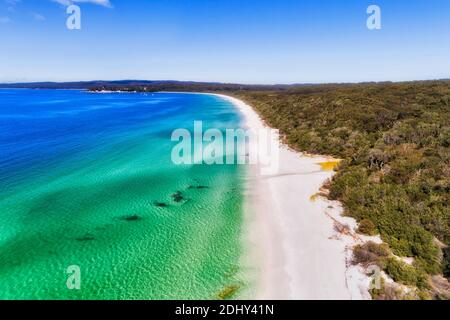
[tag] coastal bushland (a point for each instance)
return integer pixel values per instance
(394, 140)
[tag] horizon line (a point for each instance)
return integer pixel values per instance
(225, 83)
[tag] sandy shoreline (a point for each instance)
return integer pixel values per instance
(293, 235)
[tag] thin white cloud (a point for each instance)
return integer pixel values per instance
(38, 16)
(12, 5)
(5, 20)
(13, 2)
(104, 3)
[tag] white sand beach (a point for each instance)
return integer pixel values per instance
(295, 239)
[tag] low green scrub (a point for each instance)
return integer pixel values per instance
(394, 139)
(370, 253)
(405, 274)
(366, 227)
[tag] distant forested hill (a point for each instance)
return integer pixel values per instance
(144, 86)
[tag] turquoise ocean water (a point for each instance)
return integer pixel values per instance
(87, 180)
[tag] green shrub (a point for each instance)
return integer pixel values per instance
(367, 227)
(404, 273)
(370, 253)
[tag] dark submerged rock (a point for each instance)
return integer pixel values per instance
(86, 237)
(160, 204)
(131, 218)
(178, 197)
(198, 187)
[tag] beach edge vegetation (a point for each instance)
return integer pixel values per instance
(394, 139)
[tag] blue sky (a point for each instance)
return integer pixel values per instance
(245, 41)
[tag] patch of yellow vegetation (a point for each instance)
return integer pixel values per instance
(314, 197)
(228, 292)
(329, 165)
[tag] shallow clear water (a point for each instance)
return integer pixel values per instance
(79, 177)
